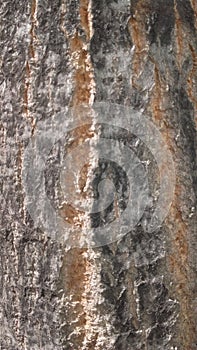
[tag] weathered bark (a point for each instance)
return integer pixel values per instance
(139, 292)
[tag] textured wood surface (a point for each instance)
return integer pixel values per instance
(139, 292)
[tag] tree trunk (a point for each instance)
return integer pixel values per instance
(81, 80)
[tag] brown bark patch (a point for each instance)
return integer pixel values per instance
(83, 74)
(72, 215)
(179, 267)
(73, 275)
(136, 27)
(84, 15)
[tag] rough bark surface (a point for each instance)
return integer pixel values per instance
(139, 292)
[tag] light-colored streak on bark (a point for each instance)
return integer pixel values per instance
(63, 13)
(31, 57)
(87, 279)
(179, 35)
(81, 281)
(86, 17)
(19, 162)
(91, 297)
(84, 89)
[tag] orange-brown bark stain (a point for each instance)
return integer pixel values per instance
(158, 96)
(76, 271)
(179, 267)
(75, 281)
(73, 272)
(137, 30)
(178, 259)
(83, 73)
(83, 80)
(183, 46)
(159, 100)
(84, 15)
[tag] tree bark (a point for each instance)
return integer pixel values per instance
(137, 292)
